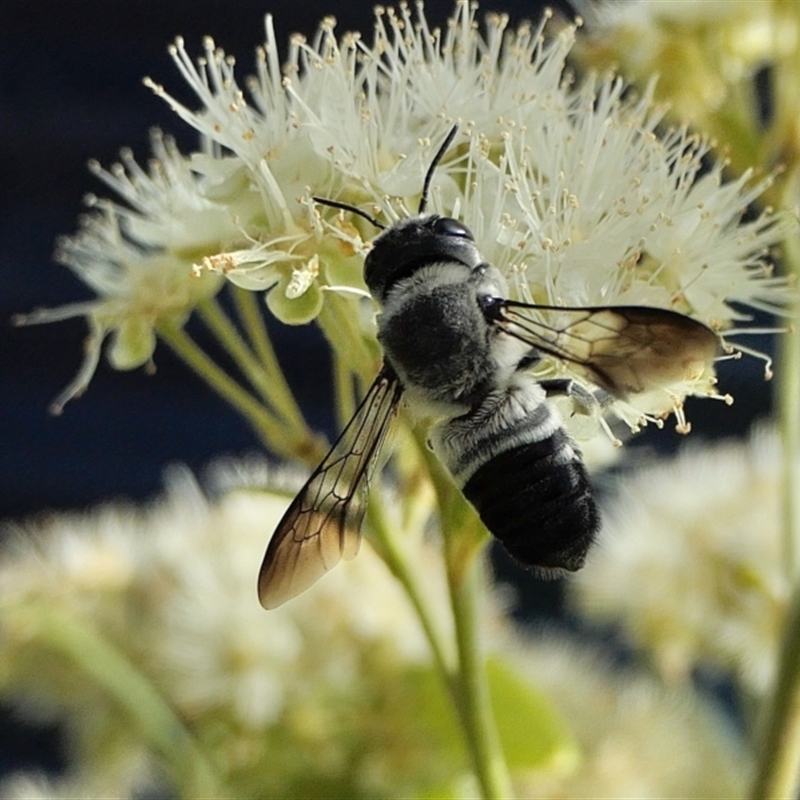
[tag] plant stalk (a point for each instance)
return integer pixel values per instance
(464, 544)
(779, 762)
(393, 557)
(135, 695)
(268, 427)
(247, 307)
(465, 583)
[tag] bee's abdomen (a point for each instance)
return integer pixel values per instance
(536, 499)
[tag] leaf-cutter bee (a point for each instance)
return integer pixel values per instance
(460, 353)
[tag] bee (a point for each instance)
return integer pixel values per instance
(459, 352)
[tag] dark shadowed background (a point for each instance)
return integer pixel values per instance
(70, 90)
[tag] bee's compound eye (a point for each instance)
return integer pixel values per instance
(447, 226)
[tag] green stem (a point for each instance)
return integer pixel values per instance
(343, 389)
(159, 725)
(474, 706)
(269, 428)
(779, 763)
(392, 555)
(789, 416)
(340, 323)
(292, 435)
(218, 323)
(247, 306)
(464, 543)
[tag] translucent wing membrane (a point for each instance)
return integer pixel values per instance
(624, 349)
(323, 523)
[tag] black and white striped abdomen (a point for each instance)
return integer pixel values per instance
(518, 466)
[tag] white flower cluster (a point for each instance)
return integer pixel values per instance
(572, 190)
(137, 256)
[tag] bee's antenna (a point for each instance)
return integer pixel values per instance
(423, 201)
(347, 207)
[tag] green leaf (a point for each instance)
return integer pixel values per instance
(432, 719)
(532, 733)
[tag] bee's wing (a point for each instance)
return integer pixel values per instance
(323, 523)
(624, 349)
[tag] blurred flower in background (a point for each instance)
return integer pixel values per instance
(692, 562)
(637, 737)
(727, 69)
(138, 630)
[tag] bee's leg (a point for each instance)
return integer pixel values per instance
(530, 359)
(586, 401)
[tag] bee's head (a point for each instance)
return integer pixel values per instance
(414, 243)
(409, 245)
